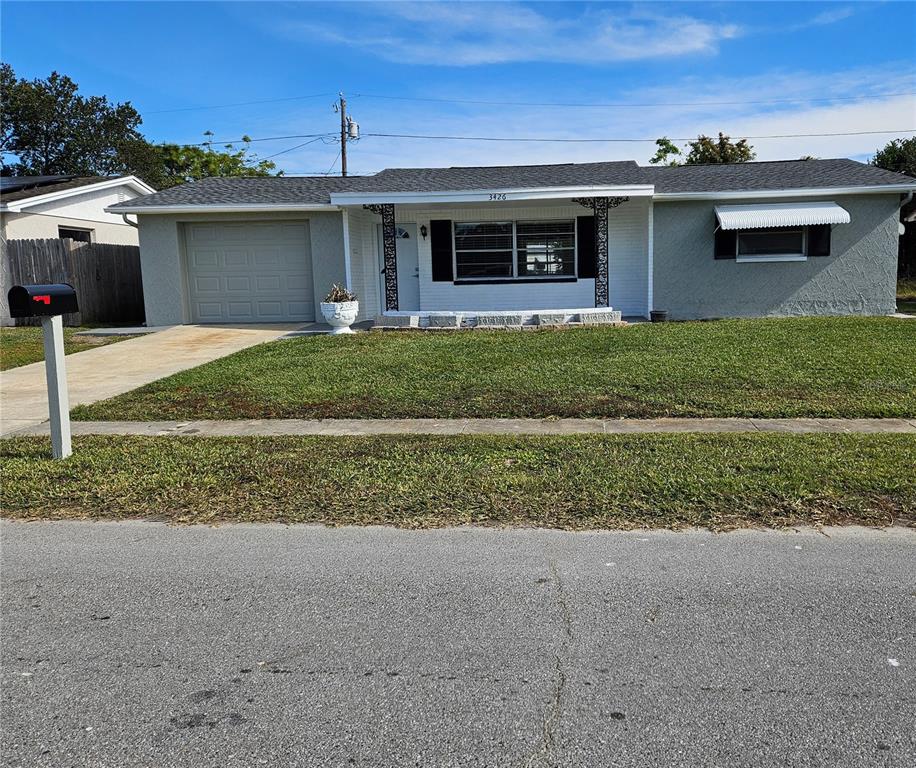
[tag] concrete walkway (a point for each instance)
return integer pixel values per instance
(107, 371)
(342, 427)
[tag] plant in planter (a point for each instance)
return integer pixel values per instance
(340, 309)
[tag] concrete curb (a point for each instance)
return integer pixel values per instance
(344, 427)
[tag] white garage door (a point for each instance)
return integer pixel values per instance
(249, 273)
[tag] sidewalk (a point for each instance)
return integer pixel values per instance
(342, 427)
(104, 372)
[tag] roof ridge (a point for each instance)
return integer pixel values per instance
(758, 162)
(493, 167)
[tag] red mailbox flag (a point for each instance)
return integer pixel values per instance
(43, 299)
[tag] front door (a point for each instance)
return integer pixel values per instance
(408, 267)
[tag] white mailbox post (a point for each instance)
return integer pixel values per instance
(50, 302)
(52, 329)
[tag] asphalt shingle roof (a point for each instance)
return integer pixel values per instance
(316, 190)
(24, 187)
(780, 174)
(508, 176)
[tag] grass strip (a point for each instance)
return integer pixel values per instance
(575, 482)
(817, 367)
(23, 345)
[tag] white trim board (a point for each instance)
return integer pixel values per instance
(17, 206)
(238, 208)
(494, 195)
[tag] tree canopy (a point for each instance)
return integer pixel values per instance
(47, 127)
(898, 155)
(704, 150)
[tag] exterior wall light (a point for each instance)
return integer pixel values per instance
(423, 231)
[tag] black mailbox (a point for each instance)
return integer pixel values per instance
(42, 300)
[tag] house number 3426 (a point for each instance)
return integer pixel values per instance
(497, 196)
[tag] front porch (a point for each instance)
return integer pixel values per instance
(498, 319)
(491, 259)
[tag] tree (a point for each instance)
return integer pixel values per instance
(47, 128)
(9, 98)
(898, 155)
(179, 163)
(52, 129)
(706, 150)
(666, 149)
(703, 151)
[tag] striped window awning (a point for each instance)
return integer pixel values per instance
(780, 215)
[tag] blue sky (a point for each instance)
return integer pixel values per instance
(840, 64)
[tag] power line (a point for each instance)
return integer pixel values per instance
(616, 140)
(564, 104)
(618, 105)
(328, 171)
(248, 140)
(238, 104)
(290, 149)
(520, 138)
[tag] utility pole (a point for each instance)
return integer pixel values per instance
(343, 135)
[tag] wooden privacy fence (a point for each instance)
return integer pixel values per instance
(106, 277)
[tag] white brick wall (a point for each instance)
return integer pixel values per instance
(628, 262)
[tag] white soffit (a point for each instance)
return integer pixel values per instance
(780, 215)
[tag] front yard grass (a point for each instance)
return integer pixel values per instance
(830, 367)
(23, 345)
(581, 482)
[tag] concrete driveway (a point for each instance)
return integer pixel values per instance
(140, 644)
(100, 373)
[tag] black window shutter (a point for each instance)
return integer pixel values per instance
(585, 246)
(726, 243)
(819, 240)
(440, 233)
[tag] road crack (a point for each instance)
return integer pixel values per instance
(554, 709)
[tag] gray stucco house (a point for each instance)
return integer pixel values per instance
(771, 238)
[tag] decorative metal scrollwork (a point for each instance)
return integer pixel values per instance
(600, 207)
(389, 251)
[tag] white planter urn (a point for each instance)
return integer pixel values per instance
(340, 315)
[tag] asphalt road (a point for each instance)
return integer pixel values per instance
(142, 645)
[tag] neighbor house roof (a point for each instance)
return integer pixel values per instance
(21, 187)
(17, 192)
(311, 191)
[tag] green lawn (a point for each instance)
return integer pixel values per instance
(21, 346)
(841, 367)
(581, 482)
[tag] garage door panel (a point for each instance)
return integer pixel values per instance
(236, 257)
(239, 310)
(210, 310)
(299, 283)
(270, 258)
(205, 257)
(268, 283)
(270, 309)
(207, 284)
(201, 233)
(238, 283)
(249, 272)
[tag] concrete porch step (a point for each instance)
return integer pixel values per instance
(495, 320)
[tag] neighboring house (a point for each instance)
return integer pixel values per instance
(41, 207)
(770, 238)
